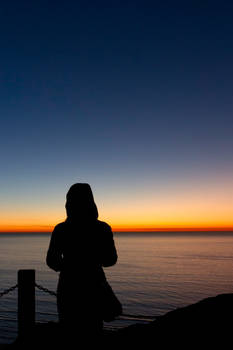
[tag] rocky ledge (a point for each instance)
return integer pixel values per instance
(201, 325)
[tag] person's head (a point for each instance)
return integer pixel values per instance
(80, 204)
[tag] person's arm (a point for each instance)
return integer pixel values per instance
(54, 257)
(109, 253)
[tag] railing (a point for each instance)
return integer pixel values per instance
(26, 292)
(26, 301)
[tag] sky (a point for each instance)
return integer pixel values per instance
(132, 97)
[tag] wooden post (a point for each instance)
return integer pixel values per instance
(26, 301)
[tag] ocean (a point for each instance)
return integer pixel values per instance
(155, 273)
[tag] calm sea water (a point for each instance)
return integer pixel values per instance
(155, 273)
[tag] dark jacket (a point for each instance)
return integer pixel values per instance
(82, 250)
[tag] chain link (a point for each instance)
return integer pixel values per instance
(46, 290)
(6, 291)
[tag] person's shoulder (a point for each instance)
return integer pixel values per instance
(103, 225)
(60, 226)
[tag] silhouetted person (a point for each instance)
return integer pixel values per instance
(79, 249)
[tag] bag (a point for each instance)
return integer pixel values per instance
(110, 305)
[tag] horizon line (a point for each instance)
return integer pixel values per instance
(49, 229)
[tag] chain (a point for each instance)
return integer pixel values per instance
(46, 290)
(6, 291)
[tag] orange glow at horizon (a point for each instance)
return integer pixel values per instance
(26, 228)
(118, 228)
(195, 205)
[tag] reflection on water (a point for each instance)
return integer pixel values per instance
(160, 272)
(155, 273)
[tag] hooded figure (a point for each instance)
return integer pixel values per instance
(80, 204)
(79, 249)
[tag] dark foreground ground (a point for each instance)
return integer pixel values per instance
(203, 325)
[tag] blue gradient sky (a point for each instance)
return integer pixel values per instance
(133, 97)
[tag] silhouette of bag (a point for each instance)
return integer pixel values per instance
(111, 306)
